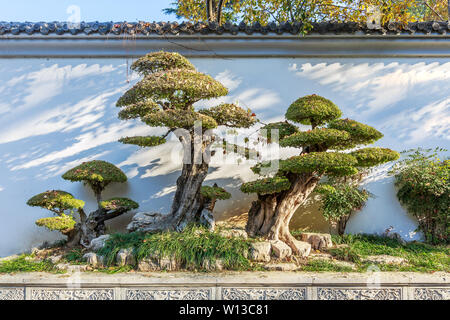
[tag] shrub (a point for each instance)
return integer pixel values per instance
(423, 188)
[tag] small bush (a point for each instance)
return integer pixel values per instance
(423, 186)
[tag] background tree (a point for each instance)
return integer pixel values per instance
(309, 11)
(339, 200)
(97, 175)
(62, 204)
(283, 191)
(423, 187)
(165, 97)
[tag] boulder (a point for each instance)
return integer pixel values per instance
(148, 265)
(280, 249)
(217, 265)
(233, 233)
(385, 259)
(302, 248)
(94, 260)
(125, 257)
(98, 243)
(281, 267)
(260, 251)
(149, 222)
(318, 241)
(55, 259)
(168, 264)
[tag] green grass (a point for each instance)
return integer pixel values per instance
(22, 264)
(75, 256)
(420, 257)
(189, 248)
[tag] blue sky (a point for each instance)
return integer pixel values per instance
(90, 10)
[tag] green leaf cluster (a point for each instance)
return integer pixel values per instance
(119, 204)
(313, 110)
(369, 157)
(147, 141)
(215, 193)
(322, 137)
(55, 200)
(266, 185)
(423, 185)
(63, 223)
(340, 200)
(97, 174)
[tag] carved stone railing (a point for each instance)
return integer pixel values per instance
(228, 286)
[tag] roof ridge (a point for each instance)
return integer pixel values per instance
(204, 28)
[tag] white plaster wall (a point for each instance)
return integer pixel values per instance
(57, 113)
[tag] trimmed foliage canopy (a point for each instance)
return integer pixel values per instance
(119, 204)
(56, 201)
(314, 110)
(97, 174)
(284, 129)
(63, 223)
(266, 185)
(214, 192)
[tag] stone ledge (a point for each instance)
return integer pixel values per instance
(226, 286)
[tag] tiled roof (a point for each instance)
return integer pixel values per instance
(212, 28)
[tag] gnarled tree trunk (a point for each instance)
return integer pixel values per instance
(270, 215)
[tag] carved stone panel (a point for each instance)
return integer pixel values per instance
(12, 293)
(72, 294)
(359, 294)
(169, 294)
(431, 293)
(264, 293)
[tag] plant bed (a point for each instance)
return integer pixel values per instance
(197, 249)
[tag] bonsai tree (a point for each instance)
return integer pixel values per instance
(164, 98)
(62, 204)
(282, 191)
(97, 175)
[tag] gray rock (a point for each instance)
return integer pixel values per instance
(217, 265)
(98, 243)
(260, 251)
(302, 248)
(281, 267)
(149, 222)
(94, 260)
(280, 249)
(168, 264)
(233, 233)
(148, 265)
(318, 241)
(62, 266)
(385, 259)
(320, 256)
(125, 257)
(55, 259)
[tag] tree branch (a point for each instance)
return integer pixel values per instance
(434, 11)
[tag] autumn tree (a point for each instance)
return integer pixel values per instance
(165, 97)
(97, 175)
(309, 11)
(321, 153)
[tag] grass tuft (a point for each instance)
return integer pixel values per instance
(24, 263)
(189, 248)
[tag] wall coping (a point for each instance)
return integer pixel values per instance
(226, 286)
(238, 46)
